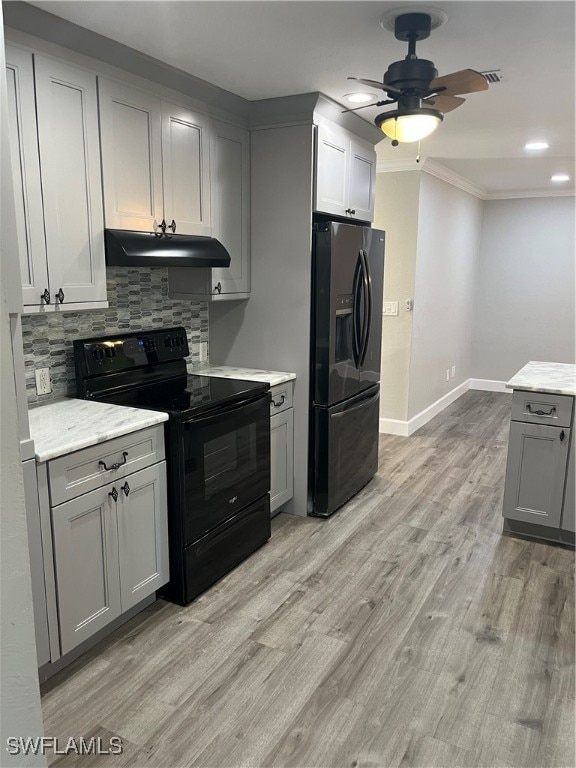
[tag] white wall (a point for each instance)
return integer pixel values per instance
(397, 214)
(525, 287)
(449, 226)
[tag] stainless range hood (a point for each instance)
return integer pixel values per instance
(125, 248)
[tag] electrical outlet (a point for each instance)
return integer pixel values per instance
(453, 371)
(43, 382)
(447, 374)
(203, 351)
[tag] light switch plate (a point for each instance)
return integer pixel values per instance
(390, 308)
(203, 351)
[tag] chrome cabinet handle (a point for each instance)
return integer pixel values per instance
(172, 226)
(351, 211)
(114, 466)
(45, 296)
(282, 399)
(114, 494)
(539, 412)
(218, 288)
(125, 488)
(60, 296)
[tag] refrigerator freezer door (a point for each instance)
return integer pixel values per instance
(335, 312)
(374, 266)
(345, 450)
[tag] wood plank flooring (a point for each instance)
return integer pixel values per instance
(403, 631)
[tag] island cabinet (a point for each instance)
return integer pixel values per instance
(539, 478)
(55, 152)
(155, 162)
(345, 174)
(105, 511)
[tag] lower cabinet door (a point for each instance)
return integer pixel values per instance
(86, 562)
(535, 473)
(281, 458)
(142, 534)
(569, 510)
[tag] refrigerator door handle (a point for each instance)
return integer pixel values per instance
(357, 329)
(367, 288)
(362, 404)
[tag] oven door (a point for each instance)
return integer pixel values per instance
(226, 463)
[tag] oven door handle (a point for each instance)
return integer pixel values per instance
(215, 415)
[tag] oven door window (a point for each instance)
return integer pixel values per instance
(226, 464)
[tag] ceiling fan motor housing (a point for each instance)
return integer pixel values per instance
(413, 75)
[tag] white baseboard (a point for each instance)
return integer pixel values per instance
(489, 385)
(407, 428)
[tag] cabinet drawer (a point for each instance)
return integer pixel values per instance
(281, 397)
(80, 472)
(542, 408)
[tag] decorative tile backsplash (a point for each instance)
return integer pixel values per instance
(138, 299)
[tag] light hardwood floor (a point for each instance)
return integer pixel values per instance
(403, 631)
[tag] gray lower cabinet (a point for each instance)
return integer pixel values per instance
(281, 458)
(569, 508)
(110, 552)
(535, 474)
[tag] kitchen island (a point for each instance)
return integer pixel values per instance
(539, 497)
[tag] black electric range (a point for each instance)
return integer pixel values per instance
(217, 448)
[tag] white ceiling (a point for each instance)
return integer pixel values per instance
(275, 48)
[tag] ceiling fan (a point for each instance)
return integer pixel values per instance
(413, 84)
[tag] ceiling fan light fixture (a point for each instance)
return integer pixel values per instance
(408, 125)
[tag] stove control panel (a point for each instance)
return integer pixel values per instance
(119, 353)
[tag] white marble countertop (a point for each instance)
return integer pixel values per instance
(557, 378)
(68, 425)
(249, 374)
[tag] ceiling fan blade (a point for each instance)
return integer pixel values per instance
(374, 104)
(376, 84)
(465, 81)
(444, 102)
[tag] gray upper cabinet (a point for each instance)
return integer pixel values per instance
(26, 176)
(131, 136)
(67, 109)
(535, 473)
(56, 168)
(155, 162)
(186, 176)
(142, 534)
(345, 174)
(86, 565)
(230, 196)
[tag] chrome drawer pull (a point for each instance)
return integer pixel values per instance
(282, 399)
(540, 413)
(114, 466)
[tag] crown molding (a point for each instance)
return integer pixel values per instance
(440, 171)
(523, 193)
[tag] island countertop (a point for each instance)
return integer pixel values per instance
(536, 376)
(69, 425)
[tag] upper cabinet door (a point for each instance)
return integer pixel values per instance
(362, 181)
(67, 114)
(186, 172)
(131, 136)
(332, 170)
(230, 171)
(26, 176)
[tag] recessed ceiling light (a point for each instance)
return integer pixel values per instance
(537, 145)
(359, 97)
(560, 177)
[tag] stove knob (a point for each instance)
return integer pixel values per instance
(169, 342)
(110, 352)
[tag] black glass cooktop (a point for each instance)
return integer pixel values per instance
(189, 396)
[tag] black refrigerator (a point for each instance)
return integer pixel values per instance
(347, 280)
